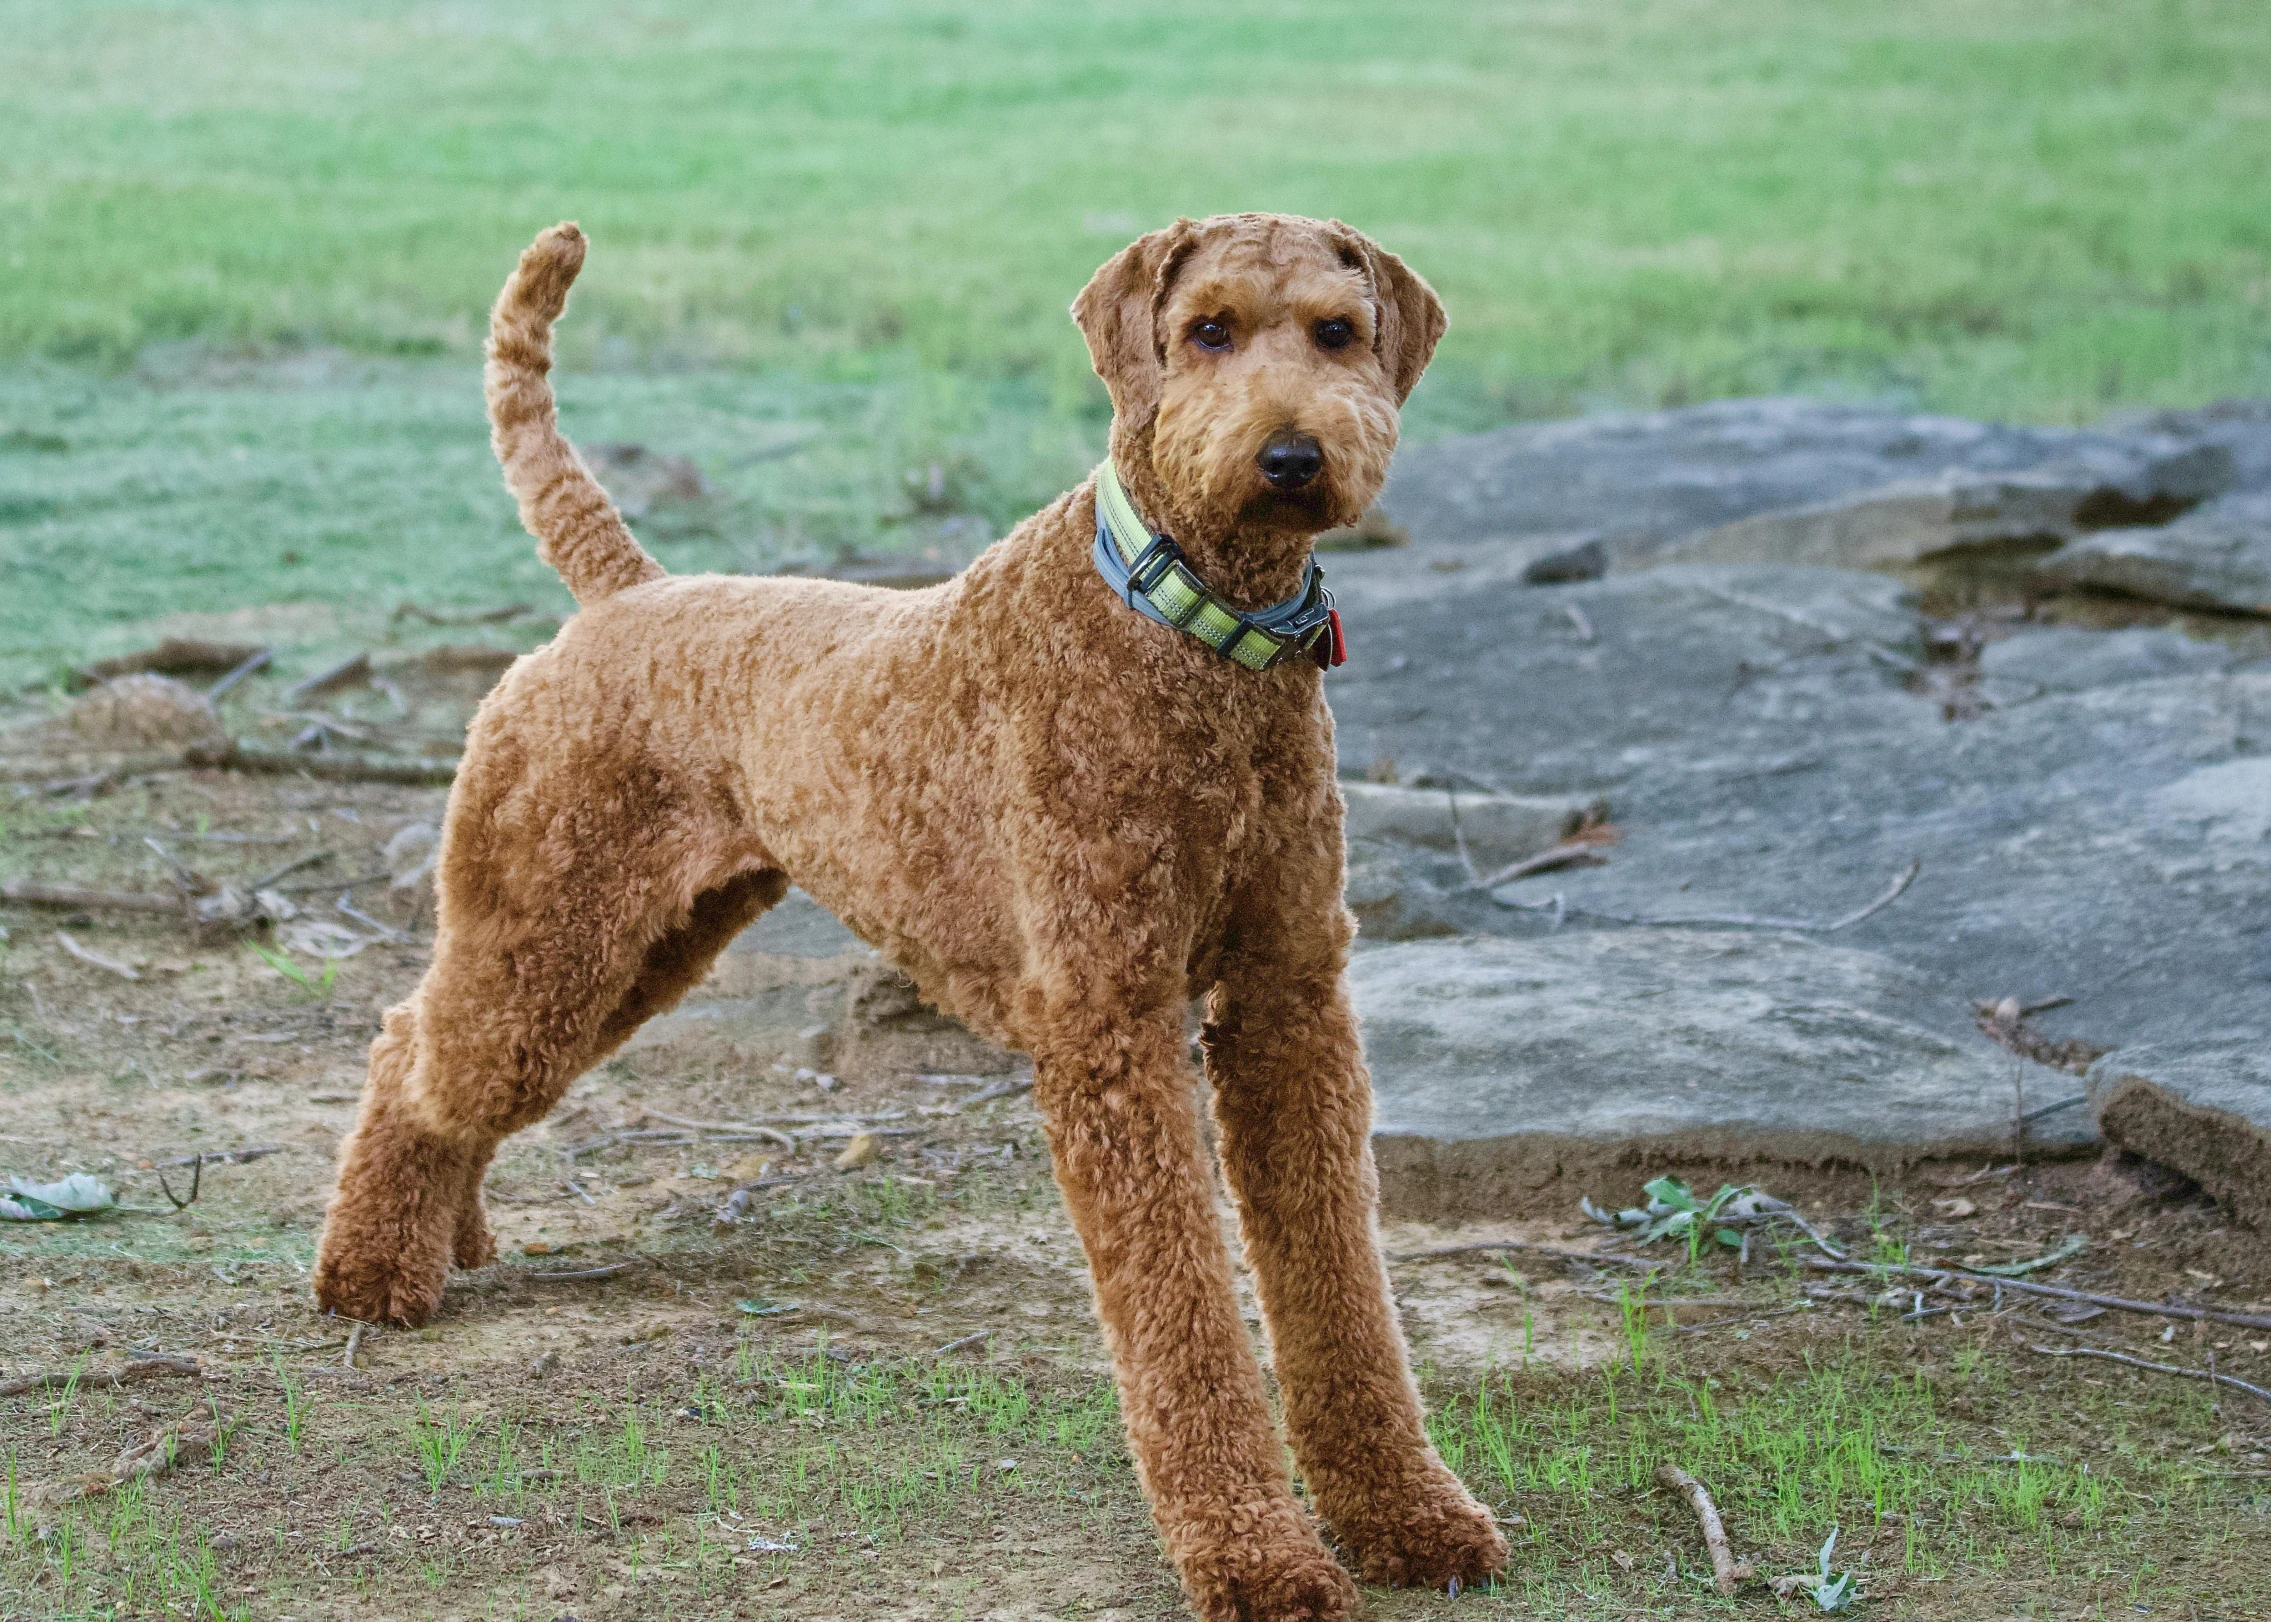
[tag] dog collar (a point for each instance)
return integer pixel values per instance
(1153, 578)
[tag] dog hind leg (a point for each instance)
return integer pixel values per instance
(673, 966)
(510, 1013)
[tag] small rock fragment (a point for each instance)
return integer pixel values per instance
(142, 711)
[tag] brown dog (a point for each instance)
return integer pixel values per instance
(1064, 819)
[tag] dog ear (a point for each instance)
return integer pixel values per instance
(1409, 318)
(1118, 313)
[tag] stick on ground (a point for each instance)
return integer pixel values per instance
(1589, 1258)
(751, 1127)
(986, 1095)
(142, 1368)
(2156, 1368)
(1727, 1573)
(581, 1275)
(1577, 853)
(1941, 1277)
(125, 971)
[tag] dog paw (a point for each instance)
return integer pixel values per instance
(380, 1271)
(378, 1289)
(1283, 1574)
(1420, 1534)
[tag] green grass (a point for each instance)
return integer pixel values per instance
(1955, 1481)
(348, 489)
(1997, 205)
(246, 247)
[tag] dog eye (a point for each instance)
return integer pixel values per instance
(1211, 335)
(1334, 333)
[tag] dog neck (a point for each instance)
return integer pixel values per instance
(1249, 564)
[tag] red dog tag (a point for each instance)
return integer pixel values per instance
(1332, 648)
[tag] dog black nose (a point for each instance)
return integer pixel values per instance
(1290, 460)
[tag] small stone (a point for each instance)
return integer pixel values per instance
(144, 711)
(861, 1151)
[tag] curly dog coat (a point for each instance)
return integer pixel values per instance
(1063, 819)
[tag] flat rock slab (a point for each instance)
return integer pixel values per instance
(2071, 659)
(2217, 556)
(1506, 1065)
(1634, 483)
(2106, 838)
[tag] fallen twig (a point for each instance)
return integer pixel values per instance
(134, 1373)
(1727, 1573)
(966, 1340)
(354, 1344)
(346, 673)
(196, 1182)
(667, 1138)
(73, 897)
(385, 931)
(240, 757)
(250, 664)
(1724, 920)
(37, 772)
(1577, 853)
(2156, 1368)
(581, 1275)
(297, 865)
(186, 880)
(1892, 892)
(1943, 1276)
(343, 886)
(125, 971)
(750, 1127)
(1589, 1258)
(228, 1157)
(986, 1095)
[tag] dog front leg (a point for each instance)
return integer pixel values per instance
(1294, 1106)
(1116, 1096)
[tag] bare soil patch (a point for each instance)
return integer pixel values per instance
(876, 1389)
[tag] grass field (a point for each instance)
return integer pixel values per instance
(1997, 206)
(245, 248)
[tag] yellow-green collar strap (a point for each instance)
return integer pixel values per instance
(1148, 573)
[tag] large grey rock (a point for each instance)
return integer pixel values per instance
(2202, 1106)
(1755, 732)
(1497, 829)
(2241, 427)
(1636, 482)
(2068, 658)
(2216, 557)
(1407, 878)
(1913, 521)
(798, 988)
(1504, 1066)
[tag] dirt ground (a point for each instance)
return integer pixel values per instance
(831, 1353)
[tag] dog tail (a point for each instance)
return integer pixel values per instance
(577, 529)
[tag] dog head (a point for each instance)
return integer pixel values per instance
(1256, 363)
